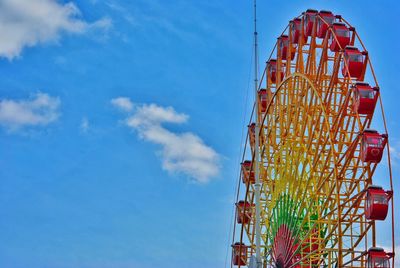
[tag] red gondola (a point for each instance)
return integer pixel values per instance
(283, 42)
(252, 134)
(272, 70)
(248, 172)
(262, 95)
(365, 98)
(265, 96)
(342, 39)
(296, 31)
(377, 203)
(354, 60)
(244, 212)
(325, 20)
(372, 146)
(309, 19)
(239, 254)
(378, 258)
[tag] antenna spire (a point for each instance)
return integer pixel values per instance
(256, 166)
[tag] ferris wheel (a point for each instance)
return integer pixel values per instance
(309, 188)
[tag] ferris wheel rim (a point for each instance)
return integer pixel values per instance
(304, 76)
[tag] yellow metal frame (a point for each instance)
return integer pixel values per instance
(309, 150)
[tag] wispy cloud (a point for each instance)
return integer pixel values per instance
(160, 17)
(85, 125)
(122, 103)
(184, 153)
(395, 153)
(39, 110)
(26, 23)
(125, 13)
(101, 24)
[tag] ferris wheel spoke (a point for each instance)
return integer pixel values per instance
(313, 176)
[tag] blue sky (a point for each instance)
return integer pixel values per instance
(121, 123)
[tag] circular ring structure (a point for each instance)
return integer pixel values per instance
(319, 159)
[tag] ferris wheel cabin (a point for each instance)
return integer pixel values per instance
(252, 134)
(342, 39)
(244, 212)
(378, 258)
(372, 146)
(272, 70)
(354, 60)
(325, 20)
(283, 43)
(248, 172)
(377, 203)
(309, 19)
(262, 95)
(296, 31)
(265, 97)
(365, 98)
(239, 254)
(278, 134)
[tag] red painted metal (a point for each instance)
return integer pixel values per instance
(252, 134)
(248, 172)
(325, 20)
(378, 258)
(283, 42)
(354, 60)
(296, 31)
(244, 212)
(239, 254)
(262, 94)
(284, 246)
(309, 20)
(372, 146)
(342, 37)
(365, 98)
(272, 70)
(377, 203)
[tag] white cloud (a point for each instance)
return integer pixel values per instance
(122, 103)
(125, 13)
(103, 24)
(152, 114)
(25, 23)
(85, 125)
(184, 153)
(395, 153)
(40, 109)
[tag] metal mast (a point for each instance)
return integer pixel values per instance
(256, 151)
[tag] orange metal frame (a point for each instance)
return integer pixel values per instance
(310, 148)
